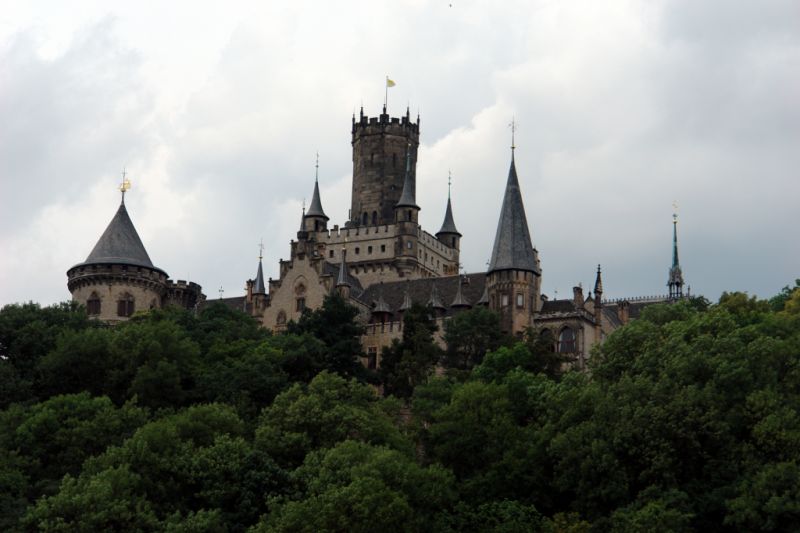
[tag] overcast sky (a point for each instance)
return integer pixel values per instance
(217, 111)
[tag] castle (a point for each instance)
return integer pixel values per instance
(381, 261)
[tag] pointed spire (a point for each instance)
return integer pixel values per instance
(434, 301)
(407, 196)
(675, 281)
(381, 306)
(343, 280)
(460, 300)
(259, 287)
(448, 225)
(512, 243)
(484, 300)
(598, 283)
(407, 303)
(315, 209)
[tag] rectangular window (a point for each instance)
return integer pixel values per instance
(383, 247)
(301, 304)
(504, 300)
(369, 249)
(331, 254)
(357, 250)
(520, 300)
(372, 357)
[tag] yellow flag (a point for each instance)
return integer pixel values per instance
(389, 83)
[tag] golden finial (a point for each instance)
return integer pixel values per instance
(125, 185)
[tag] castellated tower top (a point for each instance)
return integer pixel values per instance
(379, 165)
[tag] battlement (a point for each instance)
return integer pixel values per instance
(638, 299)
(384, 123)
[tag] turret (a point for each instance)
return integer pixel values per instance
(118, 278)
(513, 280)
(379, 147)
(598, 305)
(381, 311)
(460, 302)
(406, 219)
(315, 218)
(448, 234)
(435, 302)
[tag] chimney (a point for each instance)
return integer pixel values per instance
(577, 296)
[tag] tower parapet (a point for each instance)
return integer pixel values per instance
(379, 153)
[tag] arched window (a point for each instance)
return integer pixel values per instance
(125, 305)
(93, 304)
(566, 340)
(281, 317)
(408, 215)
(364, 219)
(374, 218)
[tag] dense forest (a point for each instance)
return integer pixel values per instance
(686, 420)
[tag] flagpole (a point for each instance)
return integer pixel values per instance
(385, 94)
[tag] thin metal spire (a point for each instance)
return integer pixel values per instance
(513, 127)
(125, 185)
(449, 182)
(316, 169)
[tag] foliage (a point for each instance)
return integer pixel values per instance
(410, 361)
(469, 335)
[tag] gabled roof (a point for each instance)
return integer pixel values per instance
(512, 243)
(448, 226)
(120, 244)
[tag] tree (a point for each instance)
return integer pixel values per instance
(469, 336)
(330, 410)
(334, 323)
(409, 362)
(778, 301)
(360, 487)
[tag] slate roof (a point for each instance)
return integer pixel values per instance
(448, 226)
(236, 303)
(120, 244)
(513, 249)
(259, 287)
(558, 306)
(315, 209)
(334, 270)
(407, 196)
(419, 291)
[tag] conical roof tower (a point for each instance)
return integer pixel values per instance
(675, 281)
(513, 249)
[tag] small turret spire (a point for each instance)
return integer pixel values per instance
(598, 283)
(259, 287)
(460, 300)
(315, 208)
(407, 196)
(406, 297)
(435, 301)
(448, 225)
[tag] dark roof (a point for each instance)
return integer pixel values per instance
(237, 303)
(419, 290)
(380, 305)
(120, 244)
(407, 196)
(434, 300)
(315, 209)
(448, 226)
(349, 279)
(558, 306)
(460, 300)
(512, 243)
(259, 287)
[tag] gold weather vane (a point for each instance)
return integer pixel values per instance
(125, 185)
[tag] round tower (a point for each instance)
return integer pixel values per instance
(379, 151)
(118, 278)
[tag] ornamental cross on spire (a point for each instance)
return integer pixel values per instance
(316, 167)
(125, 185)
(261, 249)
(675, 212)
(513, 127)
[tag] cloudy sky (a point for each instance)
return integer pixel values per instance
(217, 109)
